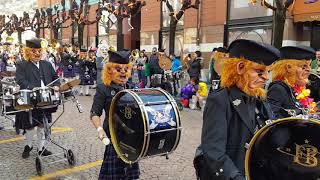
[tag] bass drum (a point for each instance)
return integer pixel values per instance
(144, 123)
(285, 149)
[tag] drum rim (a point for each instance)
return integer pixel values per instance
(112, 132)
(263, 129)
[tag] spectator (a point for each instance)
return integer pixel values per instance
(140, 64)
(154, 63)
(195, 66)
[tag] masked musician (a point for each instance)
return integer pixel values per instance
(115, 77)
(68, 59)
(88, 73)
(32, 73)
(218, 55)
(233, 113)
(102, 58)
(287, 93)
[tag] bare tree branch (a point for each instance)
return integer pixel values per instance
(268, 5)
(288, 3)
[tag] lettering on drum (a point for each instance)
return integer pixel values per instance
(127, 112)
(305, 154)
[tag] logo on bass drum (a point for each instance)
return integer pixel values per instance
(305, 155)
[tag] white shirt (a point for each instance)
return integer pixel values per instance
(37, 64)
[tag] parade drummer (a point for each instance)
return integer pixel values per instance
(115, 76)
(33, 73)
(234, 113)
(68, 60)
(287, 94)
(87, 72)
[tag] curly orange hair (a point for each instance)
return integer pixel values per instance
(230, 77)
(106, 75)
(280, 70)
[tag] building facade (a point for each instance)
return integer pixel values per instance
(216, 23)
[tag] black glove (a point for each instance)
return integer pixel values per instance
(239, 177)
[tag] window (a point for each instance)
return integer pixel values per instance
(260, 34)
(241, 9)
(176, 4)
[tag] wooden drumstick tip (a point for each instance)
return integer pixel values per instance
(106, 141)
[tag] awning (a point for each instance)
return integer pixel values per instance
(306, 10)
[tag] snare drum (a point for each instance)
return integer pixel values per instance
(144, 123)
(43, 96)
(23, 99)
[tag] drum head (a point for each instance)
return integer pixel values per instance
(286, 149)
(127, 127)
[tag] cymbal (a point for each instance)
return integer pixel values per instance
(8, 73)
(69, 85)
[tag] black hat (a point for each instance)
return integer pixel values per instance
(254, 51)
(119, 57)
(162, 50)
(221, 49)
(83, 50)
(33, 43)
(297, 52)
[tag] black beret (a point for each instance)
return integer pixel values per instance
(33, 43)
(254, 51)
(83, 50)
(221, 49)
(297, 52)
(119, 57)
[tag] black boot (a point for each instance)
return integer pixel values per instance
(44, 152)
(26, 152)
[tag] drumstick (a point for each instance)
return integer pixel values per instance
(52, 82)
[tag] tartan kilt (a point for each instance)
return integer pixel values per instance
(23, 122)
(113, 168)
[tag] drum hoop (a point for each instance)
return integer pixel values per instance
(177, 113)
(258, 133)
(112, 132)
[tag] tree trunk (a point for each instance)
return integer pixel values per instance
(172, 35)
(20, 36)
(55, 33)
(80, 34)
(120, 38)
(38, 32)
(279, 22)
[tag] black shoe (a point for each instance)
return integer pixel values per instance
(1, 128)
(88, 94)
(45, 152)
(26, 152)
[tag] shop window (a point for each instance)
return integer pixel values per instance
(262, 34)
(242, 9)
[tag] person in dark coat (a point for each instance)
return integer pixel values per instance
(68, 60)
(115, 76)
(290, 77)
(233, 114)
(195, 66)
(154, 63)
(87, 73)
(30, 74)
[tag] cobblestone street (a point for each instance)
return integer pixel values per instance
(75, 132)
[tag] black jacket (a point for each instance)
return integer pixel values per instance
(29, 76)
(281, 98)
(102, 102)
(195, 68)
(229, 122)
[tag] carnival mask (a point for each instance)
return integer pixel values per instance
(120, 73)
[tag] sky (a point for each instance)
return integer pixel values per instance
(16, 6)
